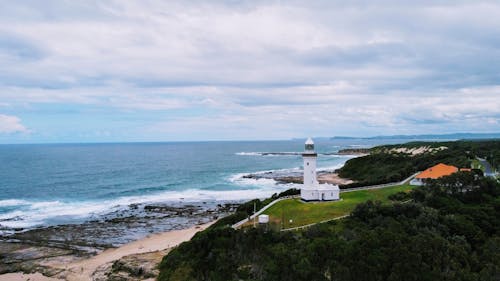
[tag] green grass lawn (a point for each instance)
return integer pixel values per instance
(306, 213)
(477, 165)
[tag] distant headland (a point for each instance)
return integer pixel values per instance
(454, 136)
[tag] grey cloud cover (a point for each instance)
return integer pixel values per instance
(247, 69)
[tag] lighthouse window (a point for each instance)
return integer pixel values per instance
(307, 163)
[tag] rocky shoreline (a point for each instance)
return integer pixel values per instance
(34, 250)
(330, 177)
(296, 176)
(354, 151)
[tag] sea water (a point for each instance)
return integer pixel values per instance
(50, 184)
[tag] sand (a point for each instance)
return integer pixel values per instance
(417, 150)
(83, 269)
(333, 178)
(25, 277)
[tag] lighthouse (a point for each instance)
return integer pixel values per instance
(309, 157)
(311, 190)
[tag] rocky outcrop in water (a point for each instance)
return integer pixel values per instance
(297, 178)
(354, 151)
(31, 250)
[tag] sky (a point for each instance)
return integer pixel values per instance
(108, 71)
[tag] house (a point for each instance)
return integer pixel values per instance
(435, 172)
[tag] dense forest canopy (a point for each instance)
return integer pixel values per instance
(389, 163)
(446, 230)
(444, 233)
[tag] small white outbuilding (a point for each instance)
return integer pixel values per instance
(264, 219)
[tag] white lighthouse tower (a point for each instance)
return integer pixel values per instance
(311, 190)
(309, 157)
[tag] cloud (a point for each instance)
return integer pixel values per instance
(277, 68)
(14, 48)
(11, 124)
(151, 42)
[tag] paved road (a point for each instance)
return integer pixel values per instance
(488, 171)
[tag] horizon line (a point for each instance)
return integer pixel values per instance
(259, 140)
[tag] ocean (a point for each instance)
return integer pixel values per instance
(55, 184)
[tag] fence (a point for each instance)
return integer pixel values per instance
(240, 223)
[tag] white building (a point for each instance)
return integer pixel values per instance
(311, 190)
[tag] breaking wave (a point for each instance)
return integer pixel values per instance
(36, 213)
(268, 153)
(13, 202)
(329, 154)
(25, 214)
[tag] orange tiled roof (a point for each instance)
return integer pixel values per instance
(440, 170)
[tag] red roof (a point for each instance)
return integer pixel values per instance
(440, 170)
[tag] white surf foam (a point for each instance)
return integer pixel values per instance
(46, 212)
(39, 213)
(329, 168)
(335, 156)
(13, 202)
(35, 213)
(237, 177)
(241, 180)
(265, 190)
(285, 154)
(248, 153)
(269, 154)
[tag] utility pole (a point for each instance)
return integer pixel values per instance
(254, 211)
(282, 218)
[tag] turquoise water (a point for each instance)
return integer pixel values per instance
(56, 183)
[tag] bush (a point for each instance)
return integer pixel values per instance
(400, 196)
(383, 167)
(442, 236)
(289, 192)
(247, 209)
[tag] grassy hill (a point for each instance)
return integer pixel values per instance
(301, 213)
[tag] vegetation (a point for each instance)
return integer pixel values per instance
(449, 231)
(446, 230)
(246, 209)
(306, 213)
(385, 164)
(475, 164)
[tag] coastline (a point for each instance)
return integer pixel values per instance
(330, 177)
(92, 249)
(85, 269)
(53, 250)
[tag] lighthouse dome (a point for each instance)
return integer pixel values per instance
(309, 145)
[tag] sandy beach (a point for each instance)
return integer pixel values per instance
(25, 277)
(84, 269)
(333, 178)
